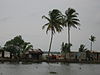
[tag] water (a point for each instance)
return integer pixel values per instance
(49, 69)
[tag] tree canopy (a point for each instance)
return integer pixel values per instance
(17, 45)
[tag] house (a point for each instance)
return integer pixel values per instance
(77, 56)
(35, 54)
(95, 56)
(71, 55)
(4, 54)
(81, 56)
(0, 53)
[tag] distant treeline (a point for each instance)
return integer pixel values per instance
(46, 52)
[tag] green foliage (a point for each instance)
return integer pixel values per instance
(71, 19)
(17, 45)
(17, 42)
(92, 38)
(12, 49)
(65, 48)
(26, 46)
(82, 48)
(54, 21)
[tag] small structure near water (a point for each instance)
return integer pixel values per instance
(35, 54)
(83, 56)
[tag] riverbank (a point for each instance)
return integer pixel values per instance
(2, 60)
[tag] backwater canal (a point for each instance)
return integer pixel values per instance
(49, 69)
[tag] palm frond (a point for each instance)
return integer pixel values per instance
(55, 21)
(29, 47)
(92, 38)
(58, 28)
(48, 28)
(46, 18)
(74, 26)
(75, 19)
(70, 11)
(73, 16)
(76, 23)
(45, 25)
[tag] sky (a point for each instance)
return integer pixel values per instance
(24, 17)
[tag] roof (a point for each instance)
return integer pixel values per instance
(36, 51)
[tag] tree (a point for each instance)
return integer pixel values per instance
(70, 20)
(92, 39)
(88, 55)
(2, 51)
(65, 48)
(12, 49)
(54, 24)
(26, 47)
(82, 48)
(16, 46)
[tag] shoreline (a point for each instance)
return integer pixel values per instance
(47, 61)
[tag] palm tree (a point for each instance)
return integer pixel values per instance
(26, 46)
(92, 39)
(53, 24)
(70, 20)
(65, 48)
(82, 48)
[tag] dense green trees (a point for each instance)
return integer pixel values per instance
(17, 46)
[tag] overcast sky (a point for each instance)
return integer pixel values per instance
(23, 17)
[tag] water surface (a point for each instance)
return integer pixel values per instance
(49, 69)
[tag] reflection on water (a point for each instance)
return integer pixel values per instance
(49, 69)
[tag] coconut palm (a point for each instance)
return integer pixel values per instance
(92, 39)
(26, 46)
(70, 20)
(82, 48)
(53, 24)
(65, 48)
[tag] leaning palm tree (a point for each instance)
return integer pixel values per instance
(92, 39)
(70, 20)
(53, 25)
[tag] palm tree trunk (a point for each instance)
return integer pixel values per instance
(50, 43)
(69, 36)
(91, 46)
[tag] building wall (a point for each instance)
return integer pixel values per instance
(76, 55)
(6, 54)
